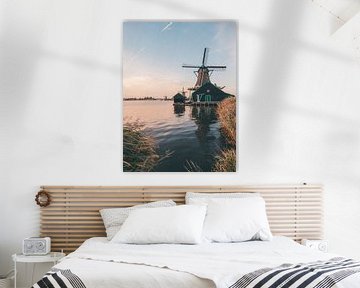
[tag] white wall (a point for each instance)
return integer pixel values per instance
(60, 87)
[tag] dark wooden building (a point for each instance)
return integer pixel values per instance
(209, 93)
(179, 98)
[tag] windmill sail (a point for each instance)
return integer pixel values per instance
(206, 52)
(203, 73)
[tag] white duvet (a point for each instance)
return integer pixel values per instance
(100, 263)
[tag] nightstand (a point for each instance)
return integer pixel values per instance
(320, 245)
(53, 257)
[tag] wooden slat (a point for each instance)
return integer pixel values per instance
(73, 216)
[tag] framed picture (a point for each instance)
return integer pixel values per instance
(179, 96)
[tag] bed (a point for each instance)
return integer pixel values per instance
(99, 263)
(294, 212)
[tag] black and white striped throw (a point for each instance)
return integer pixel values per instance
(59, 278)
(320, 274)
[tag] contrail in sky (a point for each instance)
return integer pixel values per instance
(167, 27)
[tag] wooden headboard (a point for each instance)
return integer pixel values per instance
(73, 215)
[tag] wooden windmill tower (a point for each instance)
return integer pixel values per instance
(204, 72)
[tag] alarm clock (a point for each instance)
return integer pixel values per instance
(36, 246)
(320, 245)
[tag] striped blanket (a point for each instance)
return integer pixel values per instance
(320, 274)
(59, 278)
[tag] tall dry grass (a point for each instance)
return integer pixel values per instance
(191, 166)
(139, 150)
(226, 161)
(226, 112)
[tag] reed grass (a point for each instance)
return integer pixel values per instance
(191, 166)
(139, 150)
(226, 161)
(226, 112)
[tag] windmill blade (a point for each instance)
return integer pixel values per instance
(217, 66)
(205, 56)
(190, 66)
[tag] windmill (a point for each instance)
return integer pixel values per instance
(204, 72)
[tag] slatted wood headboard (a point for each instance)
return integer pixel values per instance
(73, 215)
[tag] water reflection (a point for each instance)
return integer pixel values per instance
(204, 116)
(179, 110)
(191, 133)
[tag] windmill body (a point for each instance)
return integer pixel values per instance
(203, 73)
(204, 90)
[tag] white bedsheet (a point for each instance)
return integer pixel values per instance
(102, 264)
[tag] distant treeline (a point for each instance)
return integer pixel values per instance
(165, 98)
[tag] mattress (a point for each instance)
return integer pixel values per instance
(99, 263)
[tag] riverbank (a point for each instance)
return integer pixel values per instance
(226, 113)
(139, 149)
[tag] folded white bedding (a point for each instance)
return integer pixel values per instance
(103, 274)
(222, 263)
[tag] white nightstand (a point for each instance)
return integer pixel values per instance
(320, 245)
(53, 257)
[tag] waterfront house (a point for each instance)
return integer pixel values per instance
(179, 98)
(209, 93)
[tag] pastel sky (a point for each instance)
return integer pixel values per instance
(154, 52)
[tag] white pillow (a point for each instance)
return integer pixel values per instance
(180, 224)
(204, 198)
(113, 218)
(236, 220)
